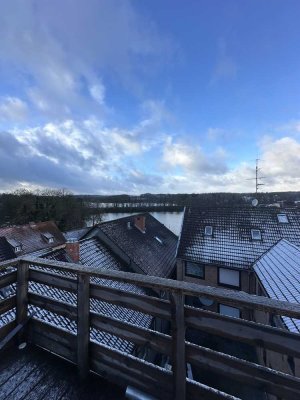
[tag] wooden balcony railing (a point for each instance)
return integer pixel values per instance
(130, 370)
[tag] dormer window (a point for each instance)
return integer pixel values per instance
(16, 245)
(282, 218)
(256, 234)
(48, 237)
(208, 231)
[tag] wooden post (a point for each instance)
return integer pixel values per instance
(178, 345)
(22, 295)
(83, 324)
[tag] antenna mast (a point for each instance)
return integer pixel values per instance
(257, 176)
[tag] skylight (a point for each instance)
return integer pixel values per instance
(158, 239)
(255, 234)
(282, 218)
(208, 230)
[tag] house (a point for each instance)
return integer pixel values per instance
(278, 277)
(218, 246)
(143, 243)
(28, 239)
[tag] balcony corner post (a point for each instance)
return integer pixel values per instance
(83, 324)
(178, 345)
(22, 294)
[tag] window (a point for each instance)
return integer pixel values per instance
(51, 240)
(195, 270)
(208, 231)
(229, 311)
(255, 234)
(229, 277)
(17, 249)
(159, 240)
(282, 218)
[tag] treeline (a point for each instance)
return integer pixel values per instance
(23, 206)
(187, 199)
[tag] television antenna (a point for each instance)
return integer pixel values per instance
(258, 177)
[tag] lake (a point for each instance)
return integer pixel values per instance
(172, 220)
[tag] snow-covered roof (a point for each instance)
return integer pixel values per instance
(231, 243)
(93, 254)
(279, 273)
(75, 234)
(153, 257)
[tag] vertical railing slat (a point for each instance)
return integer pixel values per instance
(178, 345)
(22, 292)
(83, 324)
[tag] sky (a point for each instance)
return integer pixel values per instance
(160, 96)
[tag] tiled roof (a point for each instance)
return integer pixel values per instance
(231, 243)
(31, 236)
(92, 254)
(6, 251)
(152, 256)
(279, 272)
(75, 234)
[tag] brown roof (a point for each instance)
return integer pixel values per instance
(153, 251)
(33, 236)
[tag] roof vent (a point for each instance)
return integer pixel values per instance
(128, 225)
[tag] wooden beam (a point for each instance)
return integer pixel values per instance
(12, 333)
(266, 379)
(22, 292)
(8, 279)
(140, 336)
(231, 297)
(126, 369)
(51, 338)
(7, 328)
(146, 304)
(256, 334)
(52, 279)
(178, 345)
(55, 306)
(8, 304)
(83, 325)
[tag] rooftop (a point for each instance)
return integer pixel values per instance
(153, 251)
(32, 237)
(279, 272)
(233, 242)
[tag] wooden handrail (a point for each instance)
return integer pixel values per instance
(125, 368)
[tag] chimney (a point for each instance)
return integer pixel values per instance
(72, 249)
(140, 223)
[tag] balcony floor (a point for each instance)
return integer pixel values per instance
(34, 374)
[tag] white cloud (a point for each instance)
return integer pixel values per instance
(192, 159)
(13, 109)
(58, 58)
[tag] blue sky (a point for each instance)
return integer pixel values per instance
(149, 96)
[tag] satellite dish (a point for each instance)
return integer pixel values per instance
(254, 202)
(206, 302)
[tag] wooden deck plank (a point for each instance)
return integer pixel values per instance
(35, 374)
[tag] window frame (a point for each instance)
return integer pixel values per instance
(191, 275)
(230, 316)
(228, 285)
(256, 239)
(284, 216)
(211, 228)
